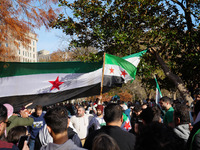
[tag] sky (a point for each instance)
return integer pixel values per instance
(51, 40)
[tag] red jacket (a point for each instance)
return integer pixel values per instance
(7, 146)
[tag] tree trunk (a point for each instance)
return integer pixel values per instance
(176, 79)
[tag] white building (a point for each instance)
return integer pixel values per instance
(28, 53)
(43, 56)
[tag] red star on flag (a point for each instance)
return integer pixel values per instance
(56, 83)
(123, 73)
(127, 125)
(111, 70)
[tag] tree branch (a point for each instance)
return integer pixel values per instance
(176, 79)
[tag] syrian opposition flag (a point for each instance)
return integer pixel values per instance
(126, 124)
(48, 83)
(120, 70)
(158, 92)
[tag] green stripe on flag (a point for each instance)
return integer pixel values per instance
(157, 86)
(114, 60)
(8, 69)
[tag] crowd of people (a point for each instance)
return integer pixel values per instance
(113, 125)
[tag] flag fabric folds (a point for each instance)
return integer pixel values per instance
(158, 92)
(49, 83)
(126, 124)
(120, 70)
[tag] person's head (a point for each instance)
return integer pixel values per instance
(137, 109)
(10, 109)
(147, 115)
(38, 110)
(181, 114)
(165, 102)
(99, 109)
(144, 106)
(81, 111)
(112, 113)
(158, 136)
(56, 120)
(157, 114)
(15, 133)
(97, 100)
(3, 119)
(197, 94)
(24, 113)
(104, 142)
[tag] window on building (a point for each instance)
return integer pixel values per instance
(19, 52)
(33, 42)
(30, 54)
(23, 53)
(6, 44)
(19, 44)
(33, 55)
(33, 49)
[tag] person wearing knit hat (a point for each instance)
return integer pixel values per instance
(9, 110)
(4, 145)
(98, 121)
(100, 107)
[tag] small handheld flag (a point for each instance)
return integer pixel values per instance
(158, 92)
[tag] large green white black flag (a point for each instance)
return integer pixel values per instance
(49, 83)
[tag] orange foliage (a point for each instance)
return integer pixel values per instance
(58, 56)
(124, 96)
(17, 19)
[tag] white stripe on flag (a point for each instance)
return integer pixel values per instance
(39, 83)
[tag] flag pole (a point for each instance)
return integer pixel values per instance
(104, 55)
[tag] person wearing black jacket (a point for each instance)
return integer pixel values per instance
(113, 118)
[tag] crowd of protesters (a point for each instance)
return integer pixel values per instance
(113, 125)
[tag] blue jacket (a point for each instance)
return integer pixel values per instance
(38, 124)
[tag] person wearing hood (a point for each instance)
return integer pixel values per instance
(44, 137)
(181, 121)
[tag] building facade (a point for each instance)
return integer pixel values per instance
(43, 56)
(28, 53)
